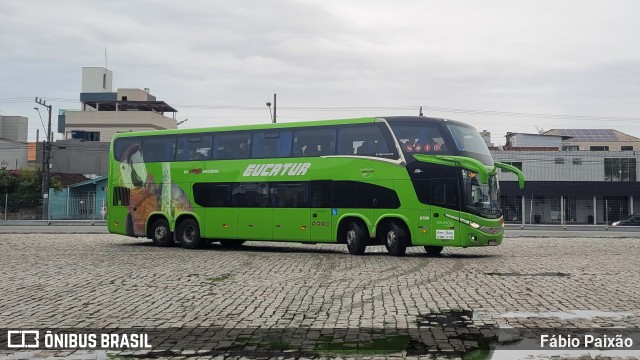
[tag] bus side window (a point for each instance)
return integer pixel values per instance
(234, 145)
(444, 192)
(319, 141)
(193, 147)
(321, 193)
(365, 140)
(158, 148)
(271, 144)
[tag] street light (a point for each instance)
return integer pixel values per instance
(44, 129)
(270, 114)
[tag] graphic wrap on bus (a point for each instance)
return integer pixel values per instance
(398, 182)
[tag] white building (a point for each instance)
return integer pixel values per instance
(105, 112)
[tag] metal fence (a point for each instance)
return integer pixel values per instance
(20, 207)
(74, 207)
(567, 210)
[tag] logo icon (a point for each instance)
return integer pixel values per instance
(23, 338)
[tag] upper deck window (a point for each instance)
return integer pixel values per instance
(420, 138)
(366, 140)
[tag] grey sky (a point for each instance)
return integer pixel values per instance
(218, 62)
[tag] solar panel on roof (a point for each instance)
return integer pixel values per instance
(600, 135)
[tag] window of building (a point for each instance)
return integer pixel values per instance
(626, 148)
(599, 148)
(577, 161)
(517, 164)
(571, 148)
(620, 169)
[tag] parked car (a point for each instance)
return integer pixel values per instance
(631, 220)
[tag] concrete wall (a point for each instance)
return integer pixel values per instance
(108, 123)
(613, 146)
(93, 80)
(534, 140)
(13, 142)
(561, 165)
(78, 157)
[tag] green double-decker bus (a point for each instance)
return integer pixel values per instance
(393, 181)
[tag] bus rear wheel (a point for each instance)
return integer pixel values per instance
(161, 234)
(356, 238)
(395, 240)
(433, 250)
(189, 234)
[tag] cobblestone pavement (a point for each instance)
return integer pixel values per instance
(311, 295)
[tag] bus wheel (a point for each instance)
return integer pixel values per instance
(433, 250)
(160, 233)
(395, 240)
(356, 238)
(231, 243)
(189, 234)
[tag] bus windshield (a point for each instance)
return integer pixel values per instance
(481, 199)
(467, 139)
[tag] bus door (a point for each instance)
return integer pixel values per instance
(290, 202)
(445, 227)
(321, 212)
(255, 216)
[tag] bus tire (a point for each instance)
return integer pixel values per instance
(433, 250)
(356, 238)
(231, 243)
(161, 233)
(189, 234)
(395, 240)
(128, 225)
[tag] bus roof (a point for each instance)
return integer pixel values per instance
(268, 126)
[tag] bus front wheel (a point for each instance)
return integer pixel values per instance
(356, 238)
(433, 250)
(160, 233)
(189, 234)
(395, 240)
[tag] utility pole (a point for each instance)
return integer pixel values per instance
(274, 108)
(46, 159)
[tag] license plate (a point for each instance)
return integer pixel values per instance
(492, 243)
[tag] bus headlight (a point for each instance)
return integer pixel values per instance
(474, 225)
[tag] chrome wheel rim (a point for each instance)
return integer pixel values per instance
(391, 239)
(351, 237)
(160, 232)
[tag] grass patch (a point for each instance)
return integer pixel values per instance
(220, 278)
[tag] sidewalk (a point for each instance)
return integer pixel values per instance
(52, 222)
